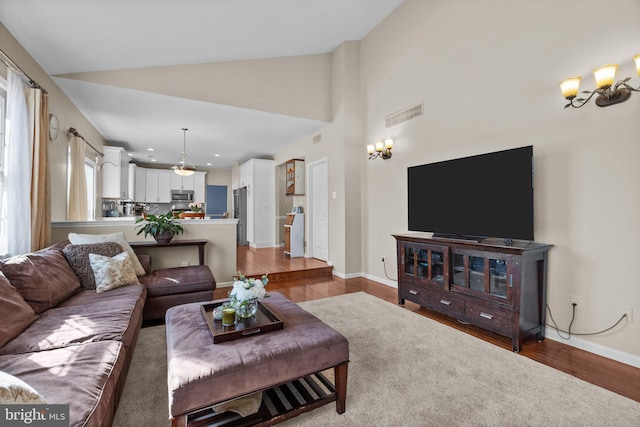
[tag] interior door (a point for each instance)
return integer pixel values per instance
(319, 210)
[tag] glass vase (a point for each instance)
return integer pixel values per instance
(247, 309)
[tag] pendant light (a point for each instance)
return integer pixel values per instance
(184, 167)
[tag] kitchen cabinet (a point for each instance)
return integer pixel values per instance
(295, 177)
(488, 284)
(158, 186)
(137, 184)
(258, 176)
(179, 182)
(115, 173)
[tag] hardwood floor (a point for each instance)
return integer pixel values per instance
(609, 374)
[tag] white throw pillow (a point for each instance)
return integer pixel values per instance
(79, 239)
(15, 391)
(114, 272)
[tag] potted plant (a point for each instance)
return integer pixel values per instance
(161, 227)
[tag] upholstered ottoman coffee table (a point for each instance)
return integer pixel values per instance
(286, 365)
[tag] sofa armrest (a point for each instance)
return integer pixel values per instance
(145, 260)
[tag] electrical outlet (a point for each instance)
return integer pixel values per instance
(577, 300)
(382, 258)
(629, 312)
(185, 263)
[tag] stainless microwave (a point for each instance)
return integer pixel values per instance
(181, 196)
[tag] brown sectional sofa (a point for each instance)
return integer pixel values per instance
(73, 346)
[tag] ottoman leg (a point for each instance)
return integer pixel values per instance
(340, 374)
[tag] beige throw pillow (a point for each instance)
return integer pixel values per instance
(15, 391)
(78, 239)
(114, 272)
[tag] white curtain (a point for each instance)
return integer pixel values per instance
(77, 209)
(16, 239)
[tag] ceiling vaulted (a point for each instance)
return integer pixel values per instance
(247, 77)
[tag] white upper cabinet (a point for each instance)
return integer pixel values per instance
(115, 173)
(179, 182)
(158, 186)
(137, 183)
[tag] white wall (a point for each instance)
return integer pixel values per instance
(487, 73)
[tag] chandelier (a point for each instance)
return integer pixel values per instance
(183, 166)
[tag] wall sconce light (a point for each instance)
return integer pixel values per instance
(604, 76)
(380, 149)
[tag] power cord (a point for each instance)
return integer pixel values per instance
(573, 315)
(384, 263)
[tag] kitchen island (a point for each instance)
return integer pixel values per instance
(220, 251)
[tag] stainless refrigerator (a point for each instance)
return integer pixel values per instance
(240, 212)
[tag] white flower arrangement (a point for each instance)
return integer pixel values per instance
(195, 206)
(246, 289)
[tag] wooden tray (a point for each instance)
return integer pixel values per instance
(263, 321)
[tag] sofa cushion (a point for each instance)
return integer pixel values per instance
(83, 376)
(112, 272)
(98, 319)
(43, 278)
(15, 313)
(178, 280)
(113, 237)
(15, 391)
(78, 258)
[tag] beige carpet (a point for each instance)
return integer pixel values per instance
(407, 370)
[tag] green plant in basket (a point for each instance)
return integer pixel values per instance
(160, 227)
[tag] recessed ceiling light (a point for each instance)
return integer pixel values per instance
(209, 164)
(150, 149)
(130, 154)
(216, 155)
(153, 160)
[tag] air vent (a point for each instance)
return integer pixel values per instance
(317, 138)
(403, 116)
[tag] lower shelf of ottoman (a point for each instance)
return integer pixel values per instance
(279, 403)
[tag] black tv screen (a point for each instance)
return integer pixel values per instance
(487, 195)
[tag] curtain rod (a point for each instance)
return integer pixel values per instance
(6, 59)
(75, 133)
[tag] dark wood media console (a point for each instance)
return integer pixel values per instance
(487, 284)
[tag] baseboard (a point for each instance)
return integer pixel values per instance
(550, 333)
(600, 350)
(261, 245)
(346, 276)
(388, 282)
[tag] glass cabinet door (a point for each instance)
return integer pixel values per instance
(424, 262)
(481, 273)
(498, 277)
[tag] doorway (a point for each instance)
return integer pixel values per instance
(318, 209)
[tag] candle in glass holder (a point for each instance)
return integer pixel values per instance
(228, 315)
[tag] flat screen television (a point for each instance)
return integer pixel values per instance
(487, 195)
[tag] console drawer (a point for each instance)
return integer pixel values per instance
(446, 303)
(494, 317)
(414, 292)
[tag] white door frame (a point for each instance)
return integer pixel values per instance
(310, 184)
